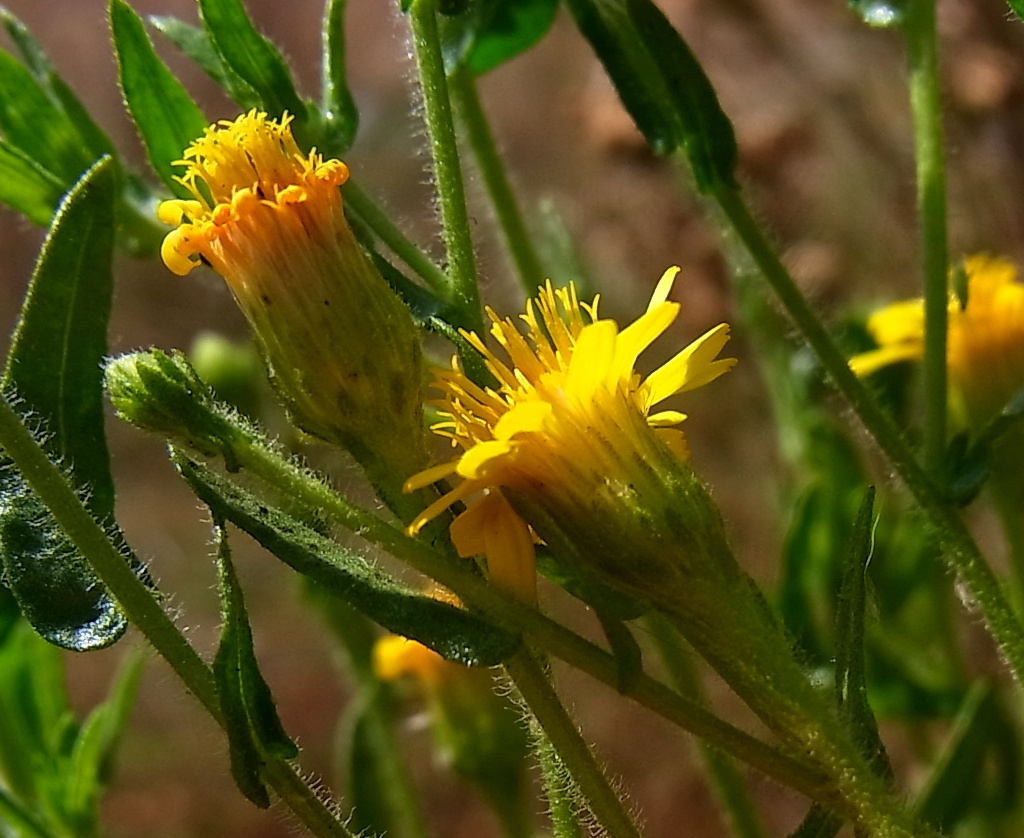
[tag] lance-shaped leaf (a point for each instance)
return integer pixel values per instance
(452, 632)
(195, 42)
(851, 687)
(54, 371)
(250, 716)
(167, 118)
(251, 56)
(27, 187)
(662, 85)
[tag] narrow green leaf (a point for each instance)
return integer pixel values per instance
(371, 814)
(89, 763)
(251, 721)
(95, 140)
(35, 124)
(252, 57)
(27, 187)
(851, 686)
(661, 84)
(452, 632)
(1017, 7)
(819, 823)
(980, 728)
(54, 369)
(340, 115)
(167, 118)
(489, 33)
(195, 42)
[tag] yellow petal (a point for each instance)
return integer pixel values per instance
(430, 475)
(526, 417)
(592, 360)
(474, 463)
(491, 527)
(898, 322)
(665, 418)
(693, 367)
(641, 333)
(663, 288)
(869, 362)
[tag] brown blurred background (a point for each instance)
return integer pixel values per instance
(821, 113)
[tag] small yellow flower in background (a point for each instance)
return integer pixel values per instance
(569, 415)
(985, 340)
(342, 348)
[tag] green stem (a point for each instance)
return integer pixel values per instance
(959, 547)
(926, 108)
(142, 609)
(499, 189)
(437, 112)
(504, 610)
(558, 790)
(385, 229)
(535, 687)
(725, 779)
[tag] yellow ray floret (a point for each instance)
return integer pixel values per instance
(567, 377)
(984, 344)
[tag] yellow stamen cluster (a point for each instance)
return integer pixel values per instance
(249, 181)
(569, 381)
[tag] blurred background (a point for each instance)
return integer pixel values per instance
(820, 107)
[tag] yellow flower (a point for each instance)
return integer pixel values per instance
(985, 340)
(568, 412)
(342, 348)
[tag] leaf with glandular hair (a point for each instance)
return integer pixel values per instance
(452, 632)
(54, 373)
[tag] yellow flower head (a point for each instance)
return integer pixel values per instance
(342, 348)
(569, 412)
(251, 187)
(985, 340)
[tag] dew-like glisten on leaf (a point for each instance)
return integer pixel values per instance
(662, 85)
(195, 42)
(252, 57)
(167, 118)
(884, 14)
(54, 373)
(250, 716)
(452, 632)
(490, 32)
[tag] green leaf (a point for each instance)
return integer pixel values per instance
(851, 687)
(980, 731)
(27, 187)
(490, 32)
(341, 117)
(251, 721)
(629, 662)
(54, 370)
(195, 42)
(167, 118)
(93, 137)
(89, 763)
(661, 84)
(34, 123)
(452, 632)
(1017, 7)
(252, 57)
(819, 823)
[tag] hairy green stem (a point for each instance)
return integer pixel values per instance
(499, 189)
(926, 108)
(143, 610)
(437, 112)
(544, 633)
(959, 547)
(535, 687)
(722, 772)
(385, 229)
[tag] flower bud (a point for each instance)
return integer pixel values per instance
(342, 348)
